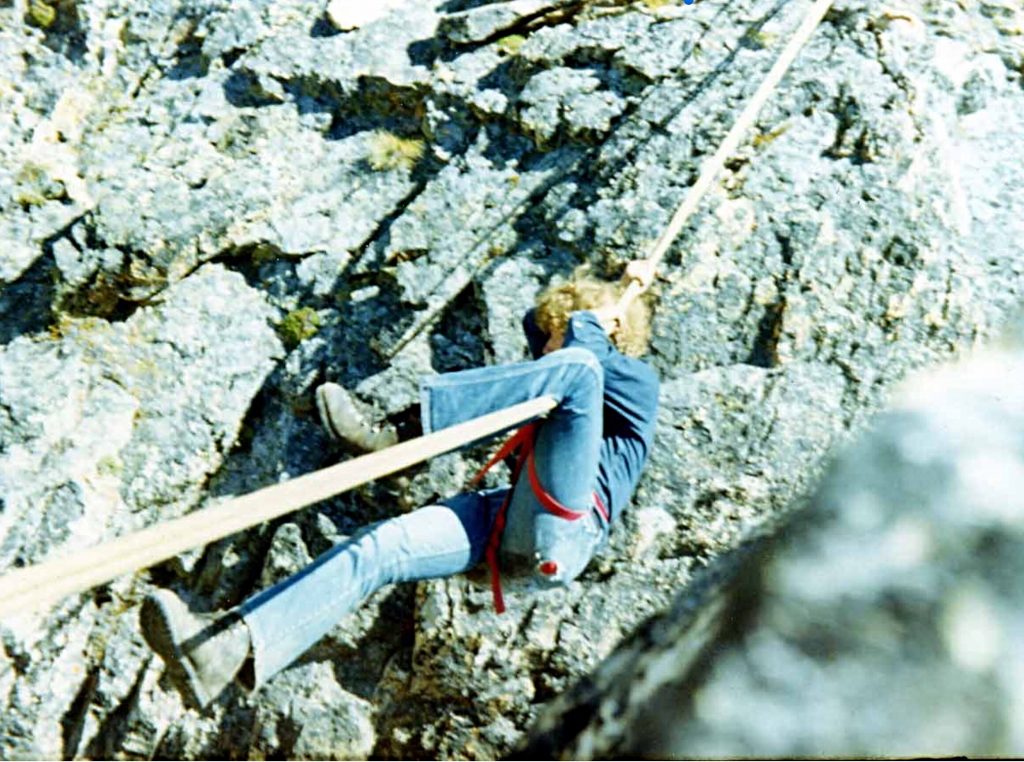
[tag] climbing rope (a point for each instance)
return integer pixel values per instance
(713, 164)
(37, 586)
(44, 584)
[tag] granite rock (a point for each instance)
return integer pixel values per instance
(180, 179)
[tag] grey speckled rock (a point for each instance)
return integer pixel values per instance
(733, 441)
(478, 24)
(106, 428)
(41, 190)
(570, 96)
(323, 720)
(393, 196)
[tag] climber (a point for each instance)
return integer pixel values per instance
(581, 465)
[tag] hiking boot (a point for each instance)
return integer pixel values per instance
(343, 420)
(203, 652)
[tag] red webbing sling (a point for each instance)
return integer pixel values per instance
(521, 445)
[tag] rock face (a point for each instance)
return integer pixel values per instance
(879, 622)
(108, 427)
(207, 208)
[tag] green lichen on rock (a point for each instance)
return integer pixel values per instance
(759, 40)
(109, 465)
(27, 199)
(299, 325)
(41, 14)
(263, 253)
(388, 151)
(34, 187)
(88, 330)
(510, 44)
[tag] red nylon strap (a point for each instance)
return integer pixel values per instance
(550, 504)
(601, 507)
(522, 437)
(547, 500)
(521, 443)
(493, 545)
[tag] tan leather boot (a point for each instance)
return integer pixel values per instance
(341, 417)
(203, 652)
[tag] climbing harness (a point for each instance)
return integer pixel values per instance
(43, 584)
(521, 447)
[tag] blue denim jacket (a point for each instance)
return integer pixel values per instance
(630, 406)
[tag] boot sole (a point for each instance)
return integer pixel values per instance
(325, 416)
(159, 632)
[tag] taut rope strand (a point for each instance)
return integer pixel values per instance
(36, 586)
(714, 163)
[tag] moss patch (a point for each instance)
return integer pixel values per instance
(511, 44)
(298, 325)
(389, 151)
(766, 138)
(41, 14)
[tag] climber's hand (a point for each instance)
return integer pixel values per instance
(609, 317)
(642, 271)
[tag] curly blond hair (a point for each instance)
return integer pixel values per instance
(582, 291)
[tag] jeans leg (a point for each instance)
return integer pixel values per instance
(534, 534)
(567, 452)
(573, 376)
(434, 541)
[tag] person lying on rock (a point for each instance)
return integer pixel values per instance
(580, 467)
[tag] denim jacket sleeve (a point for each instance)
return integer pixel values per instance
(584, 330)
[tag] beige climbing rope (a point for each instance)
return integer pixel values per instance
(714, 163)
(43, 584)
(40, 585)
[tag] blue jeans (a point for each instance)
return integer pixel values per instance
(445, 539)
